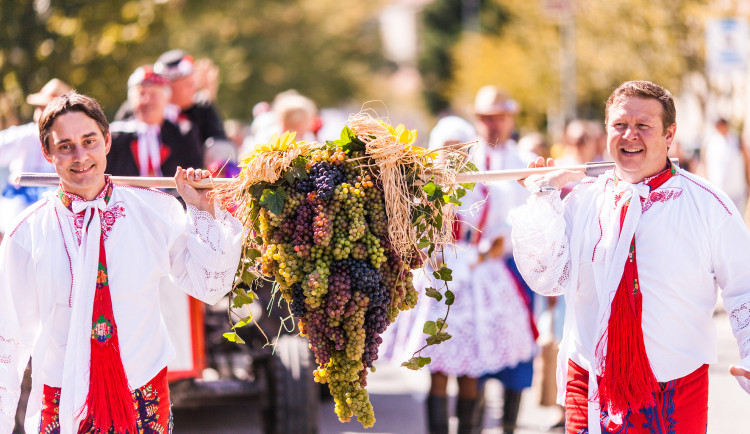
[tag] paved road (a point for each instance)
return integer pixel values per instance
(398, 394)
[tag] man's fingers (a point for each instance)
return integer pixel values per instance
(739, 372)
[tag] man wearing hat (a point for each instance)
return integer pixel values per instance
(20, 152)
(185, 109)
(495, 114)
(147, 144)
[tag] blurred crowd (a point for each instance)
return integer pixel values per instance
(171, 119)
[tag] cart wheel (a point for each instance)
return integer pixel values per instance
(292, 391)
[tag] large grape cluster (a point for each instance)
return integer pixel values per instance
(329, 252)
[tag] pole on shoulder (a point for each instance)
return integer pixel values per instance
(52, 180)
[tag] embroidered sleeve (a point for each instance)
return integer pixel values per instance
(540, 244)
(730, 248)
(211, 254)
(19, 325)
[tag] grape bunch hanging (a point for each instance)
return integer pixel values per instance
(339, 226)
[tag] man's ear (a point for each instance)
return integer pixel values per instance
(670, 133)
(46, 154)
(107, 143)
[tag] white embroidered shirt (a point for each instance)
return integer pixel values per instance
(691, 242)
(149, 240)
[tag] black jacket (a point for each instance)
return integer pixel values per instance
(177, 149)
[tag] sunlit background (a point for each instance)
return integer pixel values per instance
(417, 58)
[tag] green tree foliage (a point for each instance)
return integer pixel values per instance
(443, 23)
(322, 48)
(93, 46)
(615, 41)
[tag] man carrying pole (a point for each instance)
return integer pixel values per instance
(80, 274)
(637, 253)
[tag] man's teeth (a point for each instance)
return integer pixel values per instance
(631, 151)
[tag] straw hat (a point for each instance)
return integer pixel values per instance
(50, 91)
(493, 101)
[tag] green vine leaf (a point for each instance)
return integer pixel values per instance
(423, 243)
(243, 322)
(438, 338)
(434, 192)
(248, 277)
(233, 337)
(444, 273)
(253, 254)
(241, 298)
(434, 293)
(416, 363)
(430, 328)
(273, 200)
(449, 297)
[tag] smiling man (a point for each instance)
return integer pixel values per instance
(638, 254)
(80, 274)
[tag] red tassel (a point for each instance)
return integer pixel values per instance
(110, 401)
(627, 379)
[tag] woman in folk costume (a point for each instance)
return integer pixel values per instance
(495, 114)
(474, 347)
(79, 285)
(638, 253)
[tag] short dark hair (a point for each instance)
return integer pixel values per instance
(70, 102)
(646, 89)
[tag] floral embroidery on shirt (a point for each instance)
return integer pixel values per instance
(660, 196)
(101, 330)
(108, 218)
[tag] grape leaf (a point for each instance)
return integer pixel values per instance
(438, 338)
(273, 200)
(449, 297)
(424, 242)
(434, 293)
(251, 254)
(430, 328)
(416, 363)
(434, 192)
(444, 273)
(242, 298)
(233, 337)
(243, 322)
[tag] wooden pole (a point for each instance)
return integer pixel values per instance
(52, 180)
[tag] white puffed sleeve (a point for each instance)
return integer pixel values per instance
(540, 243)
(730, 250)
(205, 258)
(19, 324)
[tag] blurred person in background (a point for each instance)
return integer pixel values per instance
(579, 146)
(534, 144)
(147, 144)
(289, 111)
(724, 161)
(20, 151)
(298, 113)
(190, 109)
(495, 114)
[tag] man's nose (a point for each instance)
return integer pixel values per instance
(630, 133)
(78, 153)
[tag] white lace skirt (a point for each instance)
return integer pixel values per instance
(488, 321)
